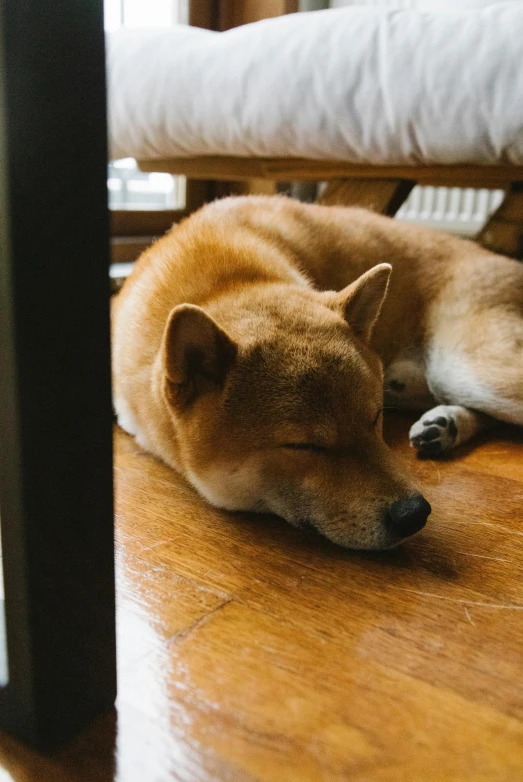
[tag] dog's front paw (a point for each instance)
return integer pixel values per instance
(435, 433)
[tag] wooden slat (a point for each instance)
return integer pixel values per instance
(127, 249)
(503, 237)
(233, 13)
(197, 193)
(254, 187)
(503, 233)
(295, 169)
(381, 195)
(203, 13)
(141, 222)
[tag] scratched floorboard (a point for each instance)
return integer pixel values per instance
(251, 651)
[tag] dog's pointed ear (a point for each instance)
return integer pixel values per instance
(361, 301)
(196, 353)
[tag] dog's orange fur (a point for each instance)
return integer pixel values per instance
(248, 351)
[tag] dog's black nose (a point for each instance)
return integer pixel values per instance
(405, 517)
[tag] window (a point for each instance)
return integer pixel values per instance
(128, 187)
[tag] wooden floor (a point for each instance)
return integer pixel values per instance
(251, 651)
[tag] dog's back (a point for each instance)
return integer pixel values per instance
(222, 332)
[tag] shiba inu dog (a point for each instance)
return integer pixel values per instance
(252, 345)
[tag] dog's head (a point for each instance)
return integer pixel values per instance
(279, 408)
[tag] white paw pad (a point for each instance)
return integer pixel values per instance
(433, 434)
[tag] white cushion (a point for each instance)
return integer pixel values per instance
(355, 84)
(444, 6)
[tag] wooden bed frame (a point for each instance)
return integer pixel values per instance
(382, 188)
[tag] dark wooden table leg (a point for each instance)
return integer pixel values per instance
(503, 232)
(55, 407)
(384, 196)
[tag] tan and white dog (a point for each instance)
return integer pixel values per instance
(249, 346)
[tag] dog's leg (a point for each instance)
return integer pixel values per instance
(445, 427)
(405, 386)
(487, 377)
(478, 380)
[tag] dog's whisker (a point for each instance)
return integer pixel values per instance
(252, 369)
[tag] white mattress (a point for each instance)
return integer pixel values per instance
(355, 84)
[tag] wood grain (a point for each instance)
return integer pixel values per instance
(296, 169)
(249, 650)
(381, 195)
(127, 249)
(503, 233)
(144, 222)
(203, 13)
(233, 13)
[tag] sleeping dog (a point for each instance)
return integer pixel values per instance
(252, 344)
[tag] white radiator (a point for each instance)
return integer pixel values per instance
(452, 209)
